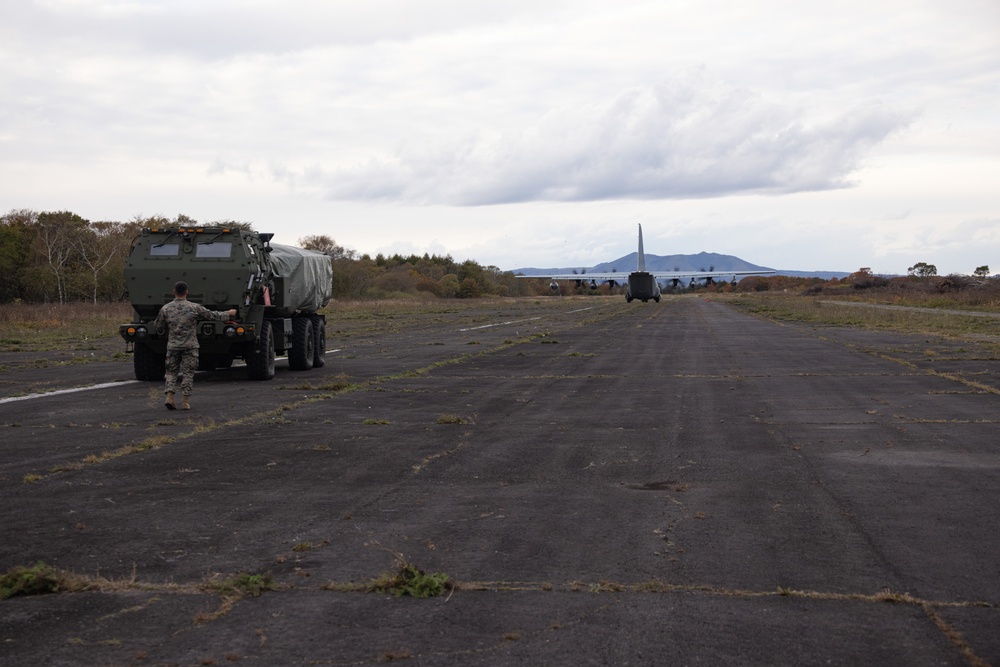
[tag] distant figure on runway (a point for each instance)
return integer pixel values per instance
(178, 320)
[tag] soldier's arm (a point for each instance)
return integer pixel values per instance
(221, 315)
(160, 323)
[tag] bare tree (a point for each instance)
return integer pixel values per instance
(99, 245)
(56, 243)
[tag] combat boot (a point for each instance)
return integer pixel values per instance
(170, 401)
(185, 403)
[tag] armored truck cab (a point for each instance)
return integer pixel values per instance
(275, 289)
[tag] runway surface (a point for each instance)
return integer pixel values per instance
(605, 483)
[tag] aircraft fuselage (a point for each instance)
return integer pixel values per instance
(642, 285)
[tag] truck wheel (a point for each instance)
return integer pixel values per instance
(319, 334)
(149, 366)
(260, 362)
(300, 357)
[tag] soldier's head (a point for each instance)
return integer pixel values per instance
(180, 288)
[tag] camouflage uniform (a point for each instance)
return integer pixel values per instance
(179, 320)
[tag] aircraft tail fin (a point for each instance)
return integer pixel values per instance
(642, 255)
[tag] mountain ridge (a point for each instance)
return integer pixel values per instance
(703, 261)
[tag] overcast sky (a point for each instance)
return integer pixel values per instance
(524, 132)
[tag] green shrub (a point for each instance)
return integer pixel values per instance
(36, 580)
(411, 580)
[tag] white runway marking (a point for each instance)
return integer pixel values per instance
(91, 387)
(67, 391)
(530, 319)
(500, 324)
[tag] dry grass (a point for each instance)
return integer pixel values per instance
(814, 310)
(34, 327)
(42, 314)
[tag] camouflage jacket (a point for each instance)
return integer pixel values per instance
(179, 320)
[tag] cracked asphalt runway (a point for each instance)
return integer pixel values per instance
(604, 483)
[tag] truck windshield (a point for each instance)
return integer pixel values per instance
(215, 249)
(165, 250)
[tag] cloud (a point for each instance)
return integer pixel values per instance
(678, 139)
(224, 29)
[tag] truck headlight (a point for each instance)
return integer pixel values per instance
(229, 331)
(141, 332)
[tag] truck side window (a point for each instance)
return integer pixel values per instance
(214, 250)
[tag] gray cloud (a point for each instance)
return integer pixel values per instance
(670, 141)
(315, 111)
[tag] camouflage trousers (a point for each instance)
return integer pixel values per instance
(184, 363)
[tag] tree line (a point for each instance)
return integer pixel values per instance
(60, 257)
(364, 276)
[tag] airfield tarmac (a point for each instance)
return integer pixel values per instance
(610, 484)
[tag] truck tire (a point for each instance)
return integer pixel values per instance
(260, 362)
(149, 366)
(319, 334)
(300, 357)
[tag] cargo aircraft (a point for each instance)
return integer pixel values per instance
(644, 285)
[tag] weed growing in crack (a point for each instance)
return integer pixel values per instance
(37, 579)
(410, 580)
(242, 585)
(450, 419)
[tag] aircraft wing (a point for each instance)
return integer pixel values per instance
(622, 276)
(671, 275)
(619, 275)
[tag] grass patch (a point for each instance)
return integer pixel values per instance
(863, 314)
(450, 419)
(72, 326)
(37, 579)
(375, 422)
(412, 581)
(242, 585)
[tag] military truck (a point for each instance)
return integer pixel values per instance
(275, 289)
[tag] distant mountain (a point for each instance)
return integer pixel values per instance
(703, 261)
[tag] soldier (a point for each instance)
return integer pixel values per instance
(178, 319)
